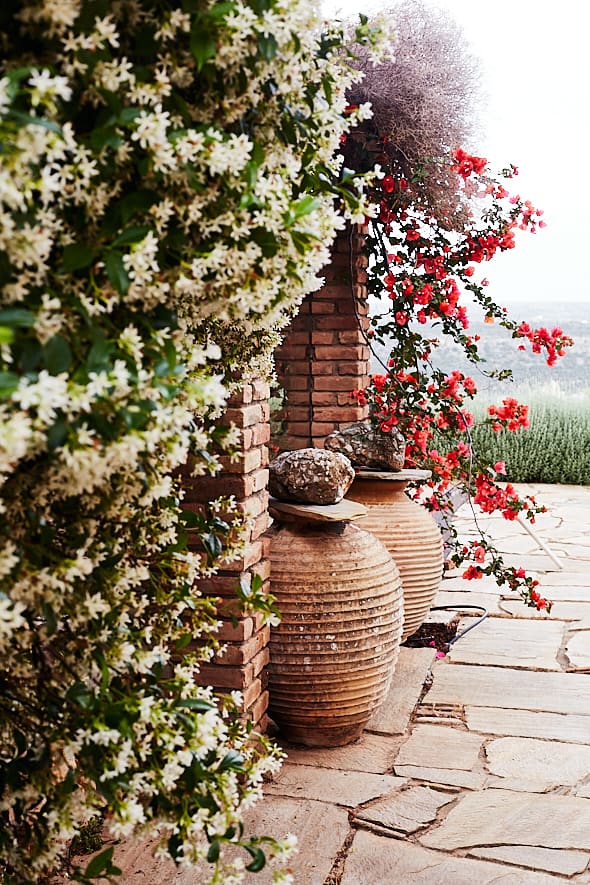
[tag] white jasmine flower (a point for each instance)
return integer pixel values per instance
(11, 616)
(45, 85)
(141, 262)
(107, 31)
(47, 395)
(129, 815)
(4, 97)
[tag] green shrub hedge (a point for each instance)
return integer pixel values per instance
(554, 449)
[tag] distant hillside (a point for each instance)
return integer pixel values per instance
(572, 373)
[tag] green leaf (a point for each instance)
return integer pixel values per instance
(8, 384)
(251, 174)
(190, 518)
(57, 434)
(28, 120)
(76, 256)
(198, 704)
(100, 864)
(57, 355)
(137, 202)
(6, 335)
(233, 761)
(17, 317)
(79, 694)
(128, 115)
(213, 853)
(183, 641)
(305, 206)
(267, 241)
(105, 137)
(212, 544)
(202, 44)
(259, 859)
(116, 272)
(132, 235)
(256, 583)
(99, 356)
(301, 241)
(267, 46)
(260, 6)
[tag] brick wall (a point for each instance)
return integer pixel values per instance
(242, 665)
(324, 355)
(322, 359)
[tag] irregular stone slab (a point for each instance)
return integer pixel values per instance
(320, 828)
(310, 476)
(524, 723)
(568, 592)
(501, 817)
(371, 752)
(575, 575)
(522, 544)
(377, 860)
(566, 863)
(578, 651)
(531, 562)
(458, 597)
(344, 511)
(366, 447)
(347, 788)
(509, 689)
(578, 612)
(471, 780)
(411, 671)
(408, 810)
(509, 643)
(438, 746)
(547, 763)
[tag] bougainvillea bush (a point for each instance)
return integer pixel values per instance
(167, 195)
(425, 268)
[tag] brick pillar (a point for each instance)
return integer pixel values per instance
(324, 355)
(242, 665)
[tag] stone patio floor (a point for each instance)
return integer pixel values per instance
(477, 767)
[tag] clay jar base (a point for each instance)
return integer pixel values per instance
(333, 654)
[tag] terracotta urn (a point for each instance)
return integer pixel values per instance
(410, 534)
(333, 655)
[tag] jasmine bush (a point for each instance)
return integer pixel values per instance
(168, 192)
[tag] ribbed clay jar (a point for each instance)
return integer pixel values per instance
(333, 654)
(410, 534)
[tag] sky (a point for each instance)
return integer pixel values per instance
(536, 114)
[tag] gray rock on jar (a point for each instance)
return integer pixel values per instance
(365, 446)
(310, 476)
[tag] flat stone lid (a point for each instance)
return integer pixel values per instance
(408, 475)
(290, 511)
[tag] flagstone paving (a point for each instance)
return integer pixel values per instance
(477, 767)
(533, 645)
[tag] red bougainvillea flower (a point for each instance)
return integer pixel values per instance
(465, 164)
